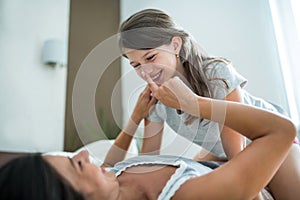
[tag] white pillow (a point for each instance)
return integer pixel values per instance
(97, 151)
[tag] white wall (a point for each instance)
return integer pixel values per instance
(241, 31)
(32, 103)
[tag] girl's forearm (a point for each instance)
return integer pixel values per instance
(119, 149)
(232, 141)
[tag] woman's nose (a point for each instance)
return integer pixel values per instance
(82, 156)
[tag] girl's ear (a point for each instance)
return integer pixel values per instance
(177, 43)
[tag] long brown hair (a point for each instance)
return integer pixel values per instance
(151, 28)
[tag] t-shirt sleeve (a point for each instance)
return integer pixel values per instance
(223, 79)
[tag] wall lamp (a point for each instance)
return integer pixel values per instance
(54, 53)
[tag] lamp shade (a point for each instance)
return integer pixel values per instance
(54, 52)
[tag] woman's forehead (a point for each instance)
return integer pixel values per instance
(57, 160)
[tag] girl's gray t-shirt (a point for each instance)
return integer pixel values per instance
(222, 80)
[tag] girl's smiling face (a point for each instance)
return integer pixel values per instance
(160, 63)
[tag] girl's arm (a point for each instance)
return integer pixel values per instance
(233, 142)
(248, 172)
(119, 149)
(152, 138)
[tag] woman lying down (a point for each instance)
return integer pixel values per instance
(162, 177)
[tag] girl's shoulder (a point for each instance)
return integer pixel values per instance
(214, 67)
(222, 77)
(213, 61)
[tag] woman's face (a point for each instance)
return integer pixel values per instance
(160, 63)
(85, 177)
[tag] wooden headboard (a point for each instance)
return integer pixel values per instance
(7, 156)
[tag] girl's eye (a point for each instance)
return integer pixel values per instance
(136, 66)
(151, 57)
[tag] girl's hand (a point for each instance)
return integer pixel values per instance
(143, 106)
(174, 93)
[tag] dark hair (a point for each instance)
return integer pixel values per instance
(31, 177)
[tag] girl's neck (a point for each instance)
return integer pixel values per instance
(180, 71)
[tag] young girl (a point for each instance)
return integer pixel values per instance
(155, 46)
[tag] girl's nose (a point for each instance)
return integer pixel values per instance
(147, 68)
(82, 156)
